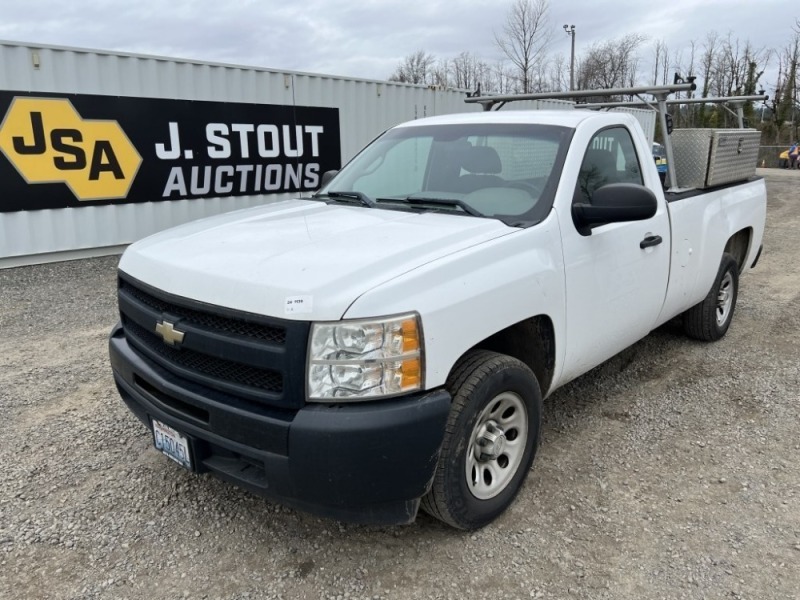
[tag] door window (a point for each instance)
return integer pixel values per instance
(610, 158)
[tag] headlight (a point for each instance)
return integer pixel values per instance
(365, 359)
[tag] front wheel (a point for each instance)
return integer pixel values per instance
(709, 320)
(490, 442)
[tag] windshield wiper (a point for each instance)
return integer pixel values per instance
(360, 196)
(434, 201)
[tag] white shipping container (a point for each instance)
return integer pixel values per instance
(645, 116)
(366, 108)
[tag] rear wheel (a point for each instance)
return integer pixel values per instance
(709, 320)
(491, 439)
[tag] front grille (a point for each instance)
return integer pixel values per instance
(209, 366)
(217, 323)
(253, 357)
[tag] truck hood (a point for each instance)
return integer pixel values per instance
(298, 259)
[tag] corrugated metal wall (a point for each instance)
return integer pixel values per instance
(366, 108)
(646, 118)
(550, 104)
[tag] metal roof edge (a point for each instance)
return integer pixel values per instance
(193, 61)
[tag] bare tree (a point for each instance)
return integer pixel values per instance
(417, 67)
(688, 67)
(525, 39)
(665, 66)
(468, 72)
(736, 67)
(724, 66)
(728, 67)
(465, 71)
(659, 53)
(707, 65)
(558, 74)
(783, 105)
(684, 116)
(504, 80)
(707, 61)
(611, 64)
(440, 74)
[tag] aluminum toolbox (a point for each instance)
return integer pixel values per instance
(708, 157)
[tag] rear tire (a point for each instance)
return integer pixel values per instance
(709, 320)
(491, 439)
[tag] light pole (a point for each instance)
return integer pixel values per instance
(570, 31)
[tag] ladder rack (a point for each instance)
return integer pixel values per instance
(659, 93)
(736, 102)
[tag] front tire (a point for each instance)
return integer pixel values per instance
(709, 320)
(490, 442)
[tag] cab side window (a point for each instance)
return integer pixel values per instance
(610, 158)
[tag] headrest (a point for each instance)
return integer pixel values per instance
(480, 159)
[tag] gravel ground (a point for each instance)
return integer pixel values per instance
(668, 472)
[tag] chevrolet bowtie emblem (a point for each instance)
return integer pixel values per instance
(168, 333)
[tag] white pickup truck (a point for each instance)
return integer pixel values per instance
(386, 344)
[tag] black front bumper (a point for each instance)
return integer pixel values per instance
(366, 462)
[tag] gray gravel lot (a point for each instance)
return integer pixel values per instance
(669, 472)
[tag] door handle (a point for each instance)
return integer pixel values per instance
(650, 240)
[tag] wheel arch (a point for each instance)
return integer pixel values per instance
(531, 341)
(738, 246)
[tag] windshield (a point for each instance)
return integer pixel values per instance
(498, 170)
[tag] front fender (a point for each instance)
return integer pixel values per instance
(465, 297)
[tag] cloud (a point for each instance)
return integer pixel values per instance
(369, 37)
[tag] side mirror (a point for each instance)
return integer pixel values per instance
(615, 203)
(327, 176)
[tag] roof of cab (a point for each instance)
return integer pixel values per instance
(564, 118)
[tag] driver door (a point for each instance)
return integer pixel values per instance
(615, 288)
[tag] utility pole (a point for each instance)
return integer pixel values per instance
(570, 31)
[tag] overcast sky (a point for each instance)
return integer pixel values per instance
(367, 38)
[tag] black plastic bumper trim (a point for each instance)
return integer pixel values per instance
(367, 462)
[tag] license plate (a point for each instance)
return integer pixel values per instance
(172, 443)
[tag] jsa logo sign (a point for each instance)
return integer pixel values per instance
(47, 141)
